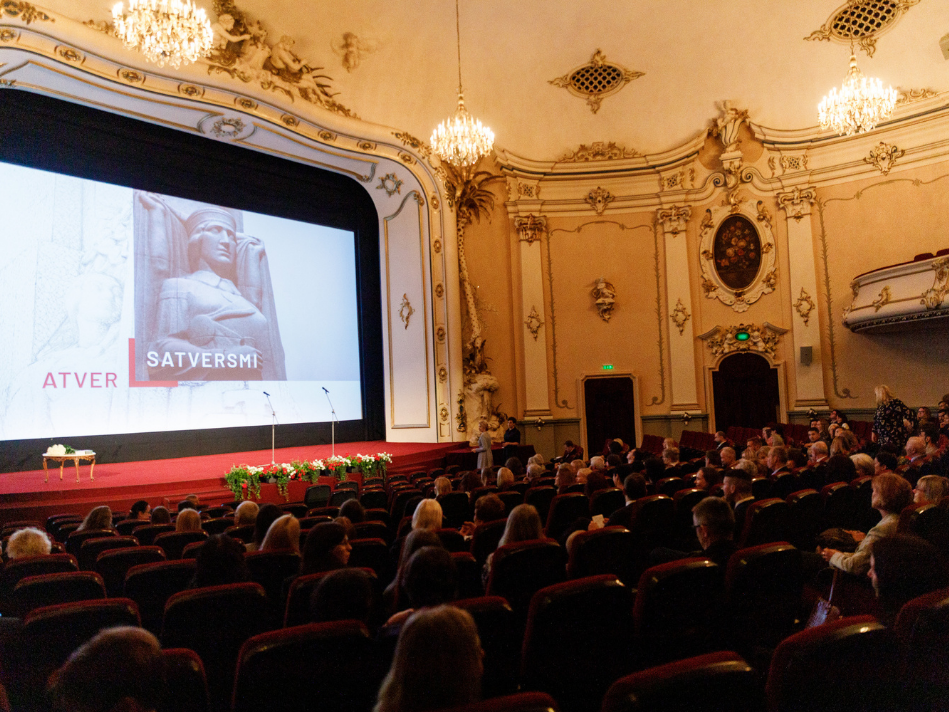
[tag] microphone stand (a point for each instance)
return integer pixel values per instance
(333, 421)
(273, 431)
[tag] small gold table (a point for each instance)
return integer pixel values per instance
(76, 458)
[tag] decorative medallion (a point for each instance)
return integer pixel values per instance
(131, 76)
(433, 201)
(366, 146)
(191, 90)
(406, 310)
(933, 297)
(596, 80)
(327, 135)
(598, 199)
(406, 158)
(804, 306)
(409, 140)
(797, 203)
(8, 35)
(390, 184)
(227, 127)
(675, 219)
(291, 121)
(680, 316)
(246, 103)
(440, 334)
(442, 374)
(737, 247)
(598, 151)
(24, 11)
(534, 323)
(861, 22)
(530, 228)
(69, 54)
(439, 290)
(909, 96)
(787, 164)
(763, 339)
(7, 83)
(604, 298)
(882, 300)
(437, 246)
(883, 156)
(443, 413)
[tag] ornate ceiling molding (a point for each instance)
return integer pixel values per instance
(598, 151)
(797, 203)
(675, 219)
(764, 339)
(862, 22)
(883, 156)
(596, 80)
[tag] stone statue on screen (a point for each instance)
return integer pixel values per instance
(204, 307)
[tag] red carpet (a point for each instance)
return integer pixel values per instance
(24, 495)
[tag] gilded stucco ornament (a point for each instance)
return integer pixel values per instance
(416, 144)
(598, 199)
(862, 22)
(533, 322)
(23, 11)
(763, 339)
(675, 219)
(787, 164)
(882, 299)
(910, 96)
(406, 310)
(933, 297)
(227, 127)
(680, 316)
(604, 298)
(883, 156)
(797, 202)
(530, 228)
(390, 183)
(352, 49)
(804, 306)
(596, 80)
(598, 151)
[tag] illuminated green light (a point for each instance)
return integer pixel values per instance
(607, 367)
(742, 336)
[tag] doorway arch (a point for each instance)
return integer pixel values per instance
(746, 392)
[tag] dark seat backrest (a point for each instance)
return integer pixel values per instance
(91, 548)
(519, 570)
(839, 503)
(114, 564)
(317, 495)
(765, 522)
(17, 569)
(342, 495)
(486, 538)
(270, 569)
(805, 511)
(511, 498)
(610, 550)
(146, 535)
(372, 554)
(564, 510)
(456, 508)
(374, 499)
(297, 611)
(75, 539)
(174, 542)
(52, 589)
(186, 687)
(606, 501)
(540, 498)
(151, 585)
(500, 640)
(469, 575)
(217, 526)
(372, 530)
(764, 586)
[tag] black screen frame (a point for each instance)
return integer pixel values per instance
(50, 134)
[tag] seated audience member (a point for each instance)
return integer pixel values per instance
(342, 596)
(437, 664)
(428, 515)
(777, 461)
(161, 515)
(188, 521)
(840, 468)
(915, 451)
(728, 457)
(139, 511)
(119, 670)
(505, 479)
(669, 442)
(565, 478)
(515, 466)
(885, 461)
(634, 487)
(655, 469)
(813, 435)
(595, 480)
(347, 525)
(754, 444)
(924, 415)
(891, 493)
(283, 535)
(570, 452)
(613, 460)
(714, 523)
(470, 482)
(863, 463)
(442, 486)
(537, 459)
(431, 579)
(189, 502)
(713, 458)
(736, 489)
(326, 548)
(28, 542)
(523, 524)
(720, 439)
(220, 561)
(488, 508)
(930, 489)
(98, 518)
(760, 459)
(394, 598)
(583, 474)
(840, 446)
(902, 568)
(355, 512)
(943, 419)
(535, 472)
(577, 465)
(670, 458)
(598, 463)
(619, 474)
(708, 477)
(796, 458)
(266, 515)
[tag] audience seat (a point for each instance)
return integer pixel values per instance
(75, 539)
(372, 554)
(91, 548)
(186, 687)
(565, 509)
(684, 502)
(519, 570)
(49, 635)
(500, 640)
(114, 564)
(328, 666)
(519, 702)
(297, 611)
(270, 569)
(847, 665)
(486, 538)
(376, 499)
(610, 550)
(922, 628)
(452, 539)
(63, 530)
(217, 526)
(670, 485)
(151, 585)
(606, 501)
(372, 530)
(174, 543)
(127, 526)
(578, 640)
(328, 511)
(511, 498)
(317, 496)
(456, 508)
(340, 496)
(244, 533)
(214, 622)
(784, 484)
(52, 589)
(929, 521)
(677, 609)
(310, 521)
(839, 503)
(765, 522)
(146, 535)
(805, 510)
(540, 498)
(469, 575)
(17, 569)
(707, 683)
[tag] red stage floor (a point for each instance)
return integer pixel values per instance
(24, 495)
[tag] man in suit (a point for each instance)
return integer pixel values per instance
(736, 487)
(670, 458)
(728, 457)
(634, 487)
(720, 440)
(777, 461)
(714, 524)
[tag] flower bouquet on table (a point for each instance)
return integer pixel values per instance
(338, 464)
(244, 481)
(60, 450)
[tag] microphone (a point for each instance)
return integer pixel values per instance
(266, 394)
(324, 389)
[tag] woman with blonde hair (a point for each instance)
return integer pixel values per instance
(864, 464)
(428, 515)
(283, 535)
(188, 521)
(98, 518)
(523, 524)
(930, 489)
(437, 663)
(893, 420)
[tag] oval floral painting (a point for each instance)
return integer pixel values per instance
(737, 250)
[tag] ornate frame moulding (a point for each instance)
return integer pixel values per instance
(598, 151)
(390, 184)
(680, 316)
(533, 322)
(530, 228)
(596, 80)
(599, 199)
(406, 310)
(804, 306)
(764, 339)
(883, 156)
(764, 282)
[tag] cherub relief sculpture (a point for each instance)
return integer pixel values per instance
(604, 298)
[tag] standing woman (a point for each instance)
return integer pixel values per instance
(889, 430)
(485, 454)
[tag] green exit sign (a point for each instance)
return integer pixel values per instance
(607, 367)
(742, 336)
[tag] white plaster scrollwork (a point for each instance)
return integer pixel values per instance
(598, 199)
(797, 203)
(882, 299)
(406, 310)
(533, 322)
(883, 156)
(804, 306)
(675, 219)
(530, 228)
(391, 184)
(680, 316)
(764, 283)
(604, 298)
(933, 297)
(764, 339)
(729, 124)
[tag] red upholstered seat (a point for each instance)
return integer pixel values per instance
(297, 611)
(609, 550)
(519, 570)
(270, 569)
(486, 538)
(922, 628)
(520, 702)
(17, 569)
(114, 564)
(151, 585)
(606, 501)
(500, 640)
(372, 530)
(51, 589)
(805, 510)
(707, 683)
(75, 539)
(840, 500)
(452, 539)
(372, 554)
(765, 522)
(217, 526)
(317, 495)
(579, 638)
(564, 510)
(540, 498)
(146, 535)
(374, 500)
(511, 498)
(186, 687)
(91, 548)
(174, 543)
(469, 575)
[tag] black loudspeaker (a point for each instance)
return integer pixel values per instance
(807, 355)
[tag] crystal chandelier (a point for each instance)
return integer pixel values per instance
(461, 140)
(165, 31)
(859, 106)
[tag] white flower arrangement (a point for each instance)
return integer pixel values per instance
(56, 450)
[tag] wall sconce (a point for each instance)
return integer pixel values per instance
(686, 418)
(539, 423)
